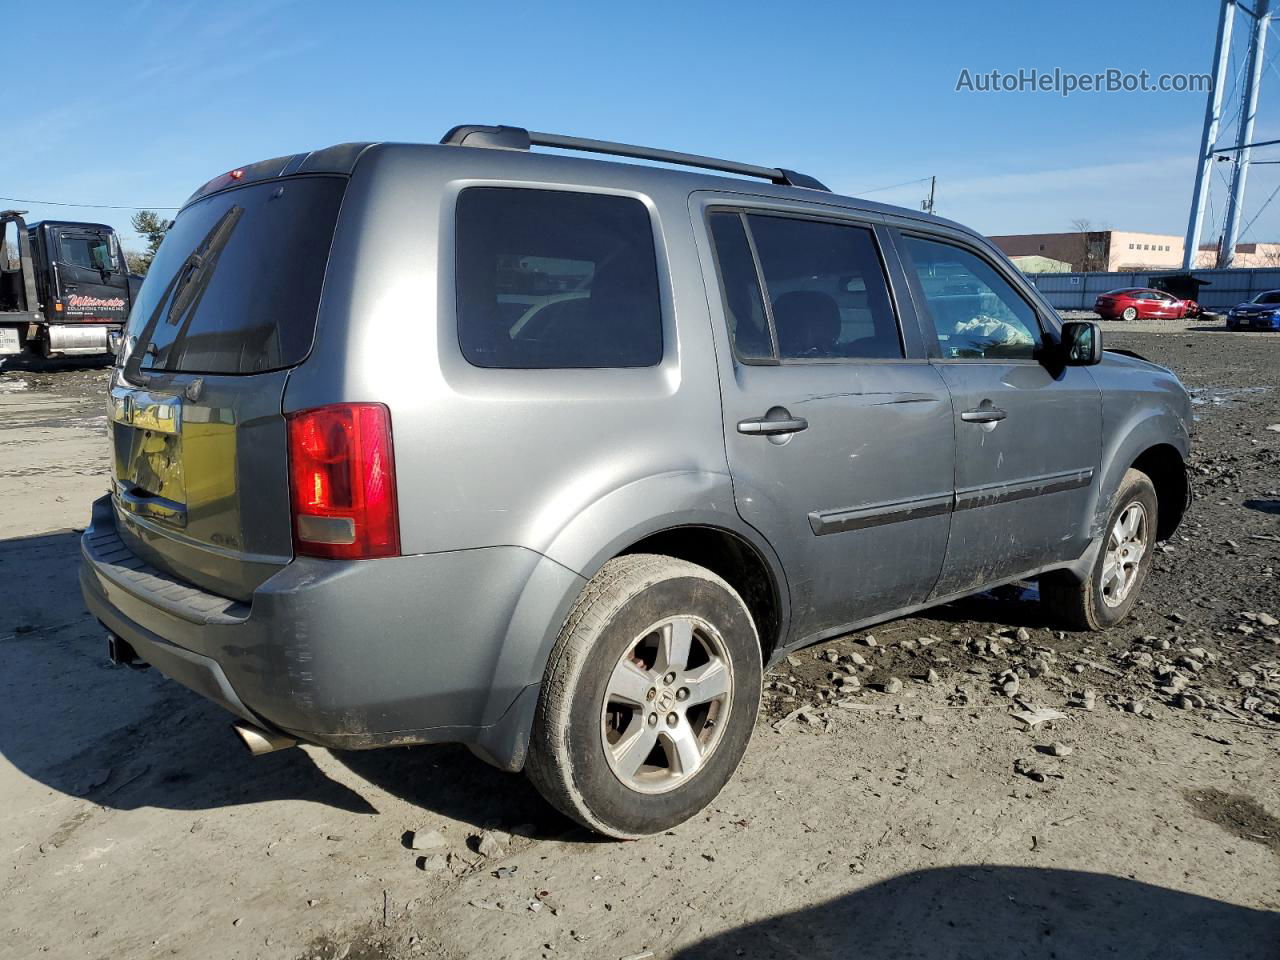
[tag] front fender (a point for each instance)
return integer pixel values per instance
(1138, 432)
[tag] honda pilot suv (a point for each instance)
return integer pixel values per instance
(552, 456)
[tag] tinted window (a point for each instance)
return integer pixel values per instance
(1270, 297)
(236, 283)
(554, 279)
(976, 312)
(826, 289)
(740, 286)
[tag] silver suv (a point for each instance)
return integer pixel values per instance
(552, 456)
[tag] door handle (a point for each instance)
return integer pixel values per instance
(767, 427)
(983, 415)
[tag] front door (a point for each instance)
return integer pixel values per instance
(1028, 436)
(93, 282)
(837, 428)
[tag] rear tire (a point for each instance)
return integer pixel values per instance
(1130, 313)
(628, 738)
(1120, 568)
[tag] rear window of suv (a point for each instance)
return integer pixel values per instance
(554, 279)
(236, 284)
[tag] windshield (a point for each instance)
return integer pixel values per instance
(1271, 296)
(235, 286)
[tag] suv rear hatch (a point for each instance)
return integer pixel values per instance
(200, 469)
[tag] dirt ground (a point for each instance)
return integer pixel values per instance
(926, 822)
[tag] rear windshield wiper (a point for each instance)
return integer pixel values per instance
(186, 288)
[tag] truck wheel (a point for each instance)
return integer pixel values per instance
(649, 697)
(1130, 313)
(1123, 561)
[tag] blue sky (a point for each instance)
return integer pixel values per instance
(153, 98)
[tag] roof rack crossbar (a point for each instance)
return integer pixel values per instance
(518, 138)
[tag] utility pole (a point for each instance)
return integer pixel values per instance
(1244, 137)
(927, 205)
(1212, 117)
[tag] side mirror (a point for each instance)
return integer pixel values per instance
(1081, 343)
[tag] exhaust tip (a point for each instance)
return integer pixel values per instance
(259, 742)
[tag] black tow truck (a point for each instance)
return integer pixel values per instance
(65, 289)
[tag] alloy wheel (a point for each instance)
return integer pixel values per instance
(665, 704)
(1126, 546)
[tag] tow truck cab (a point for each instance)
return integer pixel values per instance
(65, 287)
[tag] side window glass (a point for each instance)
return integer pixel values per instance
(554, 279)
(827, 289)
(977, 313)
(740, 288)
(92, 253)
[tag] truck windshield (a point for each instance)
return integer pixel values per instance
(235, 286)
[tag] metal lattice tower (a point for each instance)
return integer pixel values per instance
(1209, 151)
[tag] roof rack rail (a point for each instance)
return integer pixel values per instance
(518, 138)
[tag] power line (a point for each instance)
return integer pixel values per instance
(87, 206)
(1248, 225)
(892, 186)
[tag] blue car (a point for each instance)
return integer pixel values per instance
(1260, 313)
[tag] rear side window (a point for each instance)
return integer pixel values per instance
(554, 279)
(236, 283)
(826, 291)
(740, 286)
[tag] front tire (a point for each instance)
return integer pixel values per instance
(1124, 559)
(649, 698)
(1130, 313)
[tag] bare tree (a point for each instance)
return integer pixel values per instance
(138, 262)
(1269, 254)
(1092, 256)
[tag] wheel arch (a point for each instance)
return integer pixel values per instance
(1156, 445)
(734, 559)
(1164, 465)
(690, 515)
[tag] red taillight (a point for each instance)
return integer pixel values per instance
(236, 174)
(342, 479)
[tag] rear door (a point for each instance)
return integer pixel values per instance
(838, 431)
(1028, 437)
(91, 279)
(200, 473)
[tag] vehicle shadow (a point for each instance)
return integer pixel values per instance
(448, 780)
(1001, 913)
(1014, 605)
(129, 738)
(122, 738)
(1263, 506)
(31, 363)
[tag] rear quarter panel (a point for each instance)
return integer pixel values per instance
(542, 459)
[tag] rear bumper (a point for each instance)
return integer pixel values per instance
(432, 648)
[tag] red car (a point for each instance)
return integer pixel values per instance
(1135, 303)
